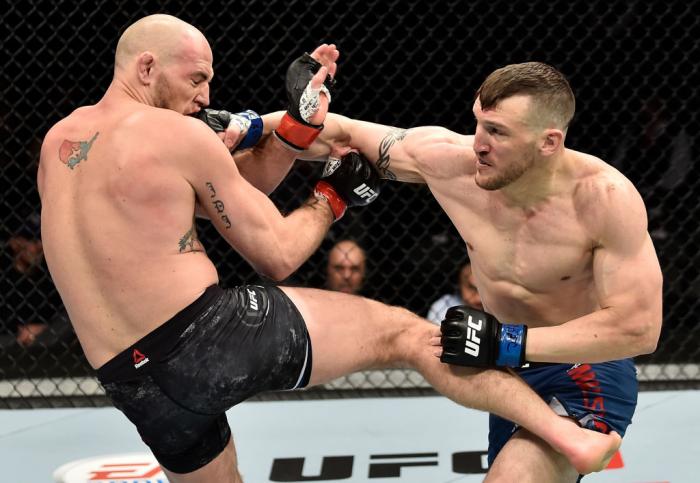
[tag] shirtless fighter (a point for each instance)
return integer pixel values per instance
(559, 248)
(120, 182)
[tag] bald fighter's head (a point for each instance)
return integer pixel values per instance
(162, 35)
(169, 60)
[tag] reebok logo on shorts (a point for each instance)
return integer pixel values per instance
(139, 359)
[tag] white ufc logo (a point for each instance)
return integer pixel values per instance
(472, 341)
(253, 299)
(364, 191)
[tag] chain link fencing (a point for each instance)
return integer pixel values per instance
(405, 64)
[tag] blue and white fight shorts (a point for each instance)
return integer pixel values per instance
(601, 397)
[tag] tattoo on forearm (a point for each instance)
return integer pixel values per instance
(319, 202)
(218, 205)
(73, 152)
(188, 240)
(384, 159)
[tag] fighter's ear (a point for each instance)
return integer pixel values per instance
(145, 63)
(550, 141)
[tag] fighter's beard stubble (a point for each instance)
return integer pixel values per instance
(510, 174)
(162, 93)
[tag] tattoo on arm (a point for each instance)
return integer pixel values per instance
(319, 202)
(384, 160)
(73, 152)
(218, 205)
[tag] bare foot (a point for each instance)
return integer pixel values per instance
(591, 451)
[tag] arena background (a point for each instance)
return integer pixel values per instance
(404, 64)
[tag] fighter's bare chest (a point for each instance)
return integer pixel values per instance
(535, 249)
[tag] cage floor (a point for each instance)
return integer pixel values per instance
(412, 439)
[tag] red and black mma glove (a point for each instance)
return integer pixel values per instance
(474, 338)
(249, 121)
(348, 181)
(295, 130)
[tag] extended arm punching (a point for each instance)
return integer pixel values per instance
(414, 155)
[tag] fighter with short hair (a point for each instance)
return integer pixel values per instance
(567, 273)
(120, 182)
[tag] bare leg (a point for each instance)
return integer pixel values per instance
(508, 396)
(350, 333)
(528, 459)
(222, 469)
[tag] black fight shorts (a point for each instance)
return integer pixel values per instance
(176, 383)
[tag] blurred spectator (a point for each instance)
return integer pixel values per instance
(24, 283)
(346, 267)
(30, 304)
(467, 295)
(27, 257)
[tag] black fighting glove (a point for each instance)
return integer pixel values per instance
(248, 121)
(349, 181)
(474, 338)
(294, 129)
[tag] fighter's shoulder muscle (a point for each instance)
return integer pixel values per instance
(440, 152)
(198, 152)
(184, 137)
(608, 203)
(61, 131)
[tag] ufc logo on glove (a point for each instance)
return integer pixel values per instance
(472, 340)
(364, 191)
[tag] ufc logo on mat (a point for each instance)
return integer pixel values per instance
(472, 340)
(364, 191)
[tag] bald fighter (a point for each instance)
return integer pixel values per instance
(120, 182)
(568, 276)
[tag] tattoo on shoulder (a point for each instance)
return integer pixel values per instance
(218, 205)
(73, 152)
(186, 243)
(384, 160)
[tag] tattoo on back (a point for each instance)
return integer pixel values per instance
(73, 152)
(188, 240)
(218, 205)
(384, 160)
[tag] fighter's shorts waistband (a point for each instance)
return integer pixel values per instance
(157, 343)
